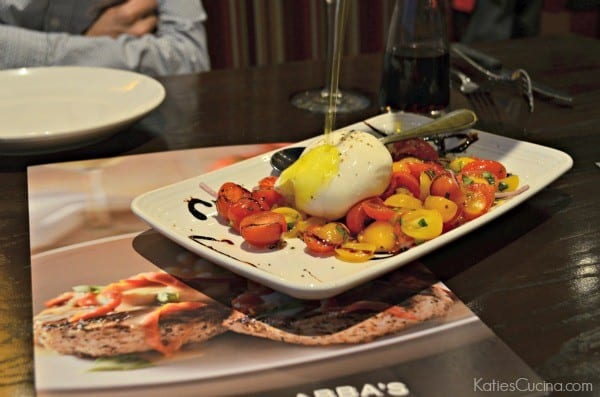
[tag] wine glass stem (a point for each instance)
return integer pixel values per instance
(329, 45)
(336, 14)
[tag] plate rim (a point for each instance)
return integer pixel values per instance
(87, 131)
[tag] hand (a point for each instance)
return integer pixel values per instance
(134, 17)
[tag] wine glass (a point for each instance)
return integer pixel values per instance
(97, 211)
(318, 100)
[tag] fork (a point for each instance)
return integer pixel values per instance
(519, 76)
(480, 99)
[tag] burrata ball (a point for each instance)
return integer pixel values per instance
(335, 172)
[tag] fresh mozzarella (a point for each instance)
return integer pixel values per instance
(336, 172)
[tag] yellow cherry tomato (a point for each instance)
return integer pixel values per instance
(311, 221)
(422, 224)
(355, 252)
(459, 162)
(447, 208)
(508, 184)
(381, 234)
(424, 185)
(292, 217)
(334, 233)
(399, 166)
(403, 201)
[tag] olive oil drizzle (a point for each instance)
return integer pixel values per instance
(338, 28)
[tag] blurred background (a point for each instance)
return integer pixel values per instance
(248, 33)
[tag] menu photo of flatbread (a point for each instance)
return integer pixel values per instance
(158, 311)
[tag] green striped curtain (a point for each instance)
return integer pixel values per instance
(246, 33)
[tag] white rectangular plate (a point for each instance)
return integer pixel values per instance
(292, 270)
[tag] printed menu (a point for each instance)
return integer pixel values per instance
(216, 333)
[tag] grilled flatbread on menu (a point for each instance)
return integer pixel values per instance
(156, 311)
(150, 311)
(381, 307)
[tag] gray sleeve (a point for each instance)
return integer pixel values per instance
(178, 45)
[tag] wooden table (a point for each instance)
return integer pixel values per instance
(533, 275)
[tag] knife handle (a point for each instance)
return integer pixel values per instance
(485, 60)
(550, 93)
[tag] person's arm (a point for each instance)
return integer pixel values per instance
(177, 46)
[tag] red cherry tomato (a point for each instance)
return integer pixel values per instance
(376, 209)
(268, 196)
(242, 208)
(263, 229)
(479, 166)
(268, 182)
(445, 185)
(228, 194)
(356, 218)
(405, 180)
(431, 167)
(479, 198)
(325, 238)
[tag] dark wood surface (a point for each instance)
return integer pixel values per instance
(533, 275)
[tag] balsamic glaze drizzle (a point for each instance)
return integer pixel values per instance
(192, 208)
(196, 237)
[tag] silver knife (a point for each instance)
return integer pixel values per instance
(486, 63)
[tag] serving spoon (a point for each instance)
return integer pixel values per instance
(457, 120)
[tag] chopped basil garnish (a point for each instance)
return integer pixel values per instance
(502, 186)
(422, 222)
(489, 177)
(341, 230)
(466, 180)
(430, 174)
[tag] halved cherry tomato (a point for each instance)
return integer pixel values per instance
(355, 252)
(479, 166)
(484, 177)
(376, 209)
(458, 163)
(292, 218)
(268, 182)
(263, 229)
(400, 166)
(447, 208)
(430, 167)
(402, 180)
(446, 185)
(357, 218)
(242, 208)
(403, 202)
(386, 236)
(228, 194)
(422, 224)
(425, 180)
(303, 225)
(269, 196)
(381, 234)
(323, 239)
(508, 184)
(479, 199)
